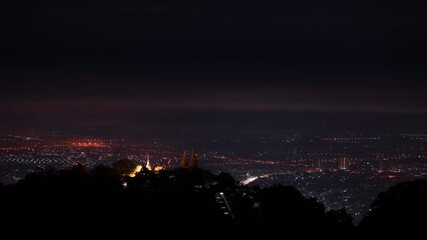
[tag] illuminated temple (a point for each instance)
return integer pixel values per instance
(148, 166)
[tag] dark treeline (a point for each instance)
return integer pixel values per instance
(107, 199)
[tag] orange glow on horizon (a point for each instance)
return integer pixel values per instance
(87, 144)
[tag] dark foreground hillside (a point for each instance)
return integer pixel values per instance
(105, 200)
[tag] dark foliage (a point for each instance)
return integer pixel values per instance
(180, 199)
(286, 205)
(403, 206)
(124, 166)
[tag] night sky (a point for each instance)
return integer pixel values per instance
(162, 63)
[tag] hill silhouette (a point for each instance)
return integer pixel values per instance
(403, 206)
(185, 198)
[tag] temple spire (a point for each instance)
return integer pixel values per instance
(184, 161)
(194, 162)
(148, 166)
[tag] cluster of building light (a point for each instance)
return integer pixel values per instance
(148, 166)
(137, 169)
(87, 144)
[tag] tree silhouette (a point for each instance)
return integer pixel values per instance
(285, 205)
(402, 206)
(340, 218)
(188, 198)
(124, 166)
(226, 180)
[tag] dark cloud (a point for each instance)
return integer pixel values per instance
(213, 97)
(280, 38)
(110, 61)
